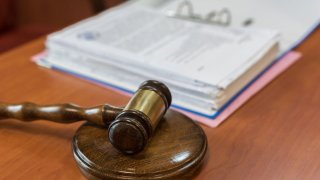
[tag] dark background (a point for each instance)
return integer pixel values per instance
(24, 20)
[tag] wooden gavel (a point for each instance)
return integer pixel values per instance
(129, 128)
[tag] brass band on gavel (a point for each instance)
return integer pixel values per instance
(135, 125)
(129, 128)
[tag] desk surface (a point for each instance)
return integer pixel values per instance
(276, 135)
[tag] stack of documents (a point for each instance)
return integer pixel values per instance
(203, 65)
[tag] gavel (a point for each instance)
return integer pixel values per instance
(129, 128)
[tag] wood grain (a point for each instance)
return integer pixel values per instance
(134, 127)
(101, 115)
(173, 153)
(273, 136)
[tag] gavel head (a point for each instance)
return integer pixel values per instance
(134, 126)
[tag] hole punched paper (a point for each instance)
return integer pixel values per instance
(203, 65)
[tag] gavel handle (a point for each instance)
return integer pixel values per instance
(61, 113)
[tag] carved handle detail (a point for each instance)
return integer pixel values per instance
(61, 113)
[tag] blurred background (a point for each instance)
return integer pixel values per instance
(24, 20)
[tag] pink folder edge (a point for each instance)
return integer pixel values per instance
(284, 63)
(265, 79)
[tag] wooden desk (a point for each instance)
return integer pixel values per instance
(276, 135)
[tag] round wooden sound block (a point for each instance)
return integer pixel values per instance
(176, 150)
